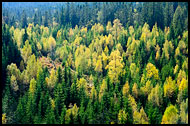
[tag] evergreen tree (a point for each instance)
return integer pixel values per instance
(46, 18)
(23, 20)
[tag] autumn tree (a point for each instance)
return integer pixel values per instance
(117, 27)
(169, 87)
(122, 117)
(115, 66)
(52, 80)
(26, 51)
(152, 72)
(126, 89)
(170, 115)
(183, 115)
(156, 96)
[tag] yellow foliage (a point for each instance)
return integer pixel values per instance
(31, 68)
(75, 110)
(132, 103)
(45, 31)
(170, 115)
(67, 116)
(4, 120)
(45, 44)
(131, 30)
(157, 55)
(122, 117)
(51, 81)
(152, 71)
(109, 40)
(115, 66)
(167, 49)
(103, 87)
(14, 84)
(104, 59)
(169, 87)
(126, 89)
(77, 40)
(145, 33)
(156, 96)
(143, 79)
(155, 32)
(13, 70)
(176, 68)
(52, 103)
(181, 45)
(98, 67)
(97, 28)
(71, 33)
(83, 30)
(62, 52)
(82, 83)
(184, 112)
(106, 50)
(177, 52)
(59, 34)
(135, 90)
(39, 46)
(117, 28)
(32, 86)
(51, 43)
(94, 60)
(129, 41)
(120, 48)
(93, 92)
(26, 51)
(183, 85)
(82, 55)
(109, 27)
(70, 59)
(18, 34)
(134, 70)
(112, 122)
(185, 64)
(147, 88)
(140, 117)
(180, 76)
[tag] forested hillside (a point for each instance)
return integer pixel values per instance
(95, 63)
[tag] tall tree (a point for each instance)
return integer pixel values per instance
(23, 20)
(46, 18)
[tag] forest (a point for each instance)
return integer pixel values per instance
(94, 63)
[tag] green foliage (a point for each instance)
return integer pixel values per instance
(95, 63)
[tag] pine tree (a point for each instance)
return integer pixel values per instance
(45, 22)
(23, 20)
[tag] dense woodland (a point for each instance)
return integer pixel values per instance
(95, 63)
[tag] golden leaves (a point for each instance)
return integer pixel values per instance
(115, 66)
(32, 86)
(122, 117)
(183, 85)
(14, 84)
(4, 120)
(135, 90)
(126, 89)
(98, 67)
(51, 81)
(26, 51)
(167, 49)
(103, 87)
(169, 87)
(152, 71)
(170, 115)
(156, 96)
